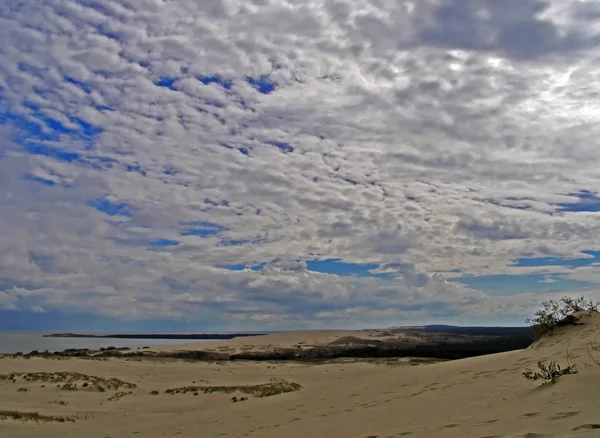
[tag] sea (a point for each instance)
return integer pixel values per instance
(13, 342)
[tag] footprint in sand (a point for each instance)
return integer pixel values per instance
(531, 414)
(562, 415)
(586, 426)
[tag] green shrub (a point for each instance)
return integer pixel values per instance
(558, 313)
(549, 373)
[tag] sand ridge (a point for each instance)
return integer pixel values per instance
(477, 397)
(305, 339)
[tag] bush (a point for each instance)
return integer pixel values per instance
(69, 387)
(549, 373)
(558, 313)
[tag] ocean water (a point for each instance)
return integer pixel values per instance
(13, 342)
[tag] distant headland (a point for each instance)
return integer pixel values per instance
(191, 336)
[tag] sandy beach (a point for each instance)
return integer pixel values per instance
(484, 396)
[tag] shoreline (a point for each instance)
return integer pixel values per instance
(443, 343)
(192, 336)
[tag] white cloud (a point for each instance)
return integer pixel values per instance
(423, 137)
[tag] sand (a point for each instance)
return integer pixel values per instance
(477, 397)
(302, 339)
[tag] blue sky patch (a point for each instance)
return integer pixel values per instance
(57, 154)
(78, 84)
(553, 261)
(326, 266)
(241, 267)
(166, 82)
(161, 243)
(215, 80)
(113, 208)
(338, 267)
(88, 130)
(38, 179)
(516, 284)
(263, 84)
(202, 229)
(52, 319)
(34, 130)
(135, 168)
(587, 201)
(171, 170)
(283, 147)
(223, 203)
(234, 242)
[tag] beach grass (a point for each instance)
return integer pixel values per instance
(69, 379)
(261, 390)
(32, 416)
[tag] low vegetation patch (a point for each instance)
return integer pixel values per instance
(549, 373)
(58, 402)
(556, 313)
(262, 390)
(31, 416)
(70, 380)
(119, 395)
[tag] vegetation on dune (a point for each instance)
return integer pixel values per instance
(549, 373)
(553, 314)
(119, 395)
(70, 379)
(31, 416)
(262, 390)
(557, 313)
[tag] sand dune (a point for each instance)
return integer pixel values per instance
(306, 338)
(478, 397)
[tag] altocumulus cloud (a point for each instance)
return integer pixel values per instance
(284, 164)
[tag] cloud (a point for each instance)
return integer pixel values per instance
(149, 144)
(518, 29)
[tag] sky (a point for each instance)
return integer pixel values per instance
(296, 164)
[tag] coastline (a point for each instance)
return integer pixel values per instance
(438, 342)
(184, 336)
